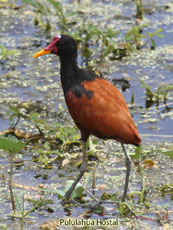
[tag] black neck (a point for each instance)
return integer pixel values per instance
(68, 72)
(72, 76)
(68, 65)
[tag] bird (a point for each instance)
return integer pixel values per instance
(96, 106)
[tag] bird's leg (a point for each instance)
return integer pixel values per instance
(128, 168)
(82, 170)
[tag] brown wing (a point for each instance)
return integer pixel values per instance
(105, 114)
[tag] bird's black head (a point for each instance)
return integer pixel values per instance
(66, 46)
(63, 46)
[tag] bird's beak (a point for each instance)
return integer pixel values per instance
(42, 52)
(51, 48)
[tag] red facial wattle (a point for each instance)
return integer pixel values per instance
(51, 48)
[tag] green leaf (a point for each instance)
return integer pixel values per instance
(130, 205)
(37, 5)
(58, 8)
(137, 154)
(56, 4)
(11, 144)
(77, 192)
(3, 227)
(59, 192)
(156, 34)
(169, 153)
(17, 214)
(168, 87)
(88, 179)
(145, 85)
(6, 52)
(166, 188)
(99, 210)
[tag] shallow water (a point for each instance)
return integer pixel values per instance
(24, 79)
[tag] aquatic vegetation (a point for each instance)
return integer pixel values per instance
(12, 146)
(168, 153)
(41, 11)
(136, 39)
(111, 40)
(90, 35)
(139, 9)
(6, 52)
(158, 96)
(42, 14)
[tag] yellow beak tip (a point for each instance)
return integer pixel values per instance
(40, 53)
(35, 56)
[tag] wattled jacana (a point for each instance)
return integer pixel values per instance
(96, 106)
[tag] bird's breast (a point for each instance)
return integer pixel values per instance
(99, 107)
